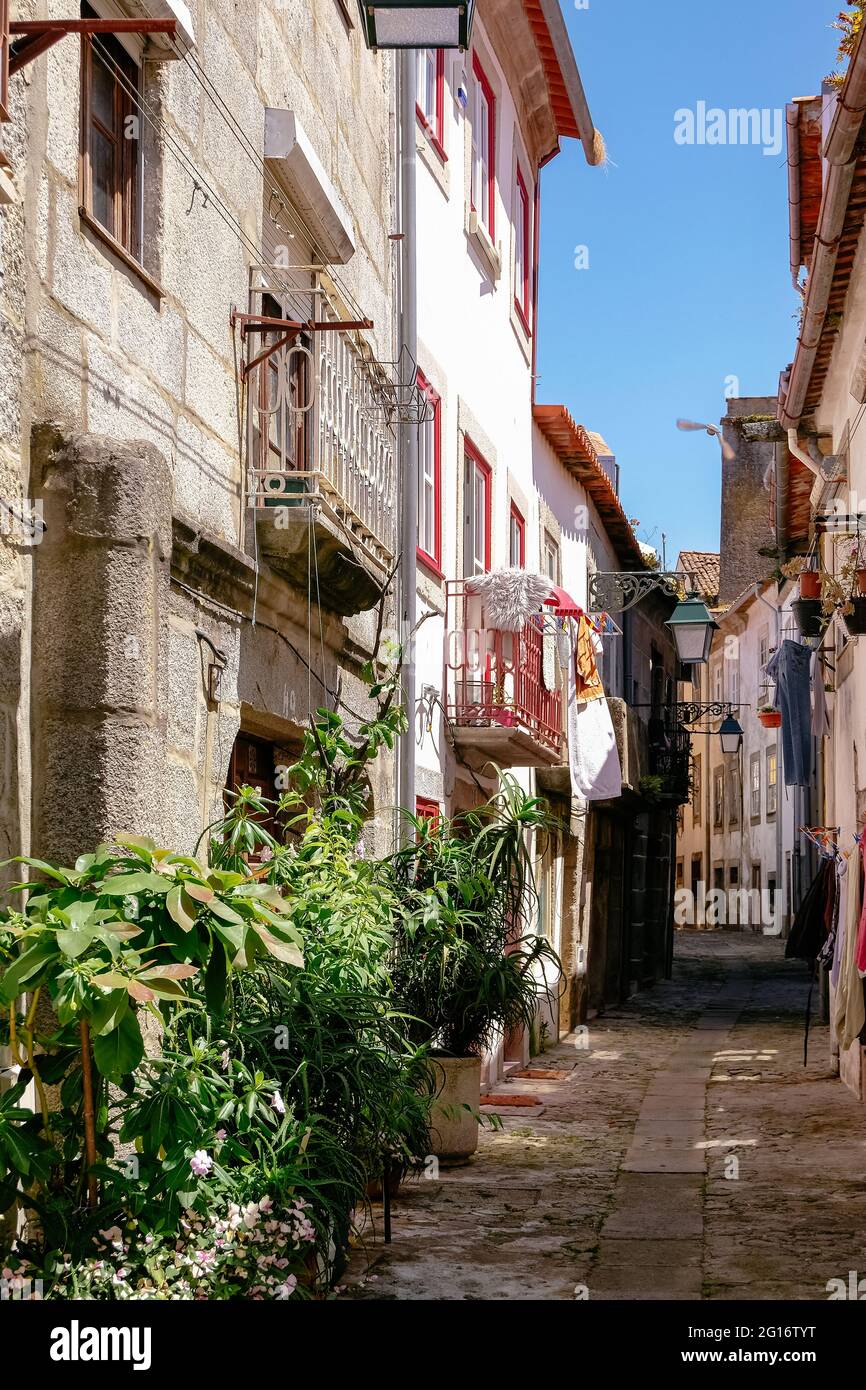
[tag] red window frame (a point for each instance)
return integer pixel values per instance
(433, 562)
(428, 810)
(435, 131)
(517, 516)
(522, 294)
(481, 77)
(477, 459)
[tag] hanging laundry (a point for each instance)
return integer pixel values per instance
(820, 714)
(565, 642)
(809, 929)
(593, 757)
(860, 950)
(839, 917)
(789, 668)
(589, 686)
(849, 1013)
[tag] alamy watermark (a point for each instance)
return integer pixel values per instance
(720, 907)
(711, 125)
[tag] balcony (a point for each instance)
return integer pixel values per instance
(670, 749)
(498, 701)
(323, 415)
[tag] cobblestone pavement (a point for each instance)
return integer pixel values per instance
(684, 1153)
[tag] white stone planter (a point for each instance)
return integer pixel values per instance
(454, 1129)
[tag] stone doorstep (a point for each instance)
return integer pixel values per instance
(542, 1074)
(526, 1101)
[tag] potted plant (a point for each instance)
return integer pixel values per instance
(466, 968)
(769, 717)
(805, 570)
(854, 613)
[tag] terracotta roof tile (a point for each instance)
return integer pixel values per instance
(704, 565)
(575, 450)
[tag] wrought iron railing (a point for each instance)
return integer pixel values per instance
(670, 748)
(498, 678)
(322, 411)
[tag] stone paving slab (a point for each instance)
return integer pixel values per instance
(707, 1067)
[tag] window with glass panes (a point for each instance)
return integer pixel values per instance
(430, 477)
(755, 787)
(772, 772)
(477, 512)
(516, 539)
(110, 138)
(483, 172)
(431, 81)
(521, 248)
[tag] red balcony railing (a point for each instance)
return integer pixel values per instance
(497, 679)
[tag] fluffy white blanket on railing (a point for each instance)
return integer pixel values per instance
(510, 597)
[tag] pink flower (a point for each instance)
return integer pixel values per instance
(220, 1134)
(201, 1163)
(284, 1291)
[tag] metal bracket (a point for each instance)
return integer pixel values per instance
(617, 592)
(37, 35)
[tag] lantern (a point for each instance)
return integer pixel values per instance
(692, 629)
(424, 24)
(731, 735)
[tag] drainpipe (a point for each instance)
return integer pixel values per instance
(792, 118)
(780, 856)
(840, 158)
(407, 489)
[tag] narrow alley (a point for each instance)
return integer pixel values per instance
(680, 1151)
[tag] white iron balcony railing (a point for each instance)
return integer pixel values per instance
(322, 411)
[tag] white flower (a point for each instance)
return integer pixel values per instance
(201, 1163)
(277, 1103)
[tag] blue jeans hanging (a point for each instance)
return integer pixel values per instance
(789, 668)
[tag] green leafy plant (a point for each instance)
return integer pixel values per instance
(464, 968)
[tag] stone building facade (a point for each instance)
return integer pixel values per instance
(157, 188)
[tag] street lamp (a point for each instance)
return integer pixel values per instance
(424, 24)
(731, 735)
(692, 629)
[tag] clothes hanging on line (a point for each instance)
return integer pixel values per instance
(820, 713)
(789, 668)
(860, 949)
(849, 1013)
(596, 774)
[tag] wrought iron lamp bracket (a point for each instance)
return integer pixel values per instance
(619, 591)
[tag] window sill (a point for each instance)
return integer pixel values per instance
(430, 136)
(120, 252)
(479, 238)
(521, 331)
(433, 157)
(429, 564)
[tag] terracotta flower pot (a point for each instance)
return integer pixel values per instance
(770, 718)
(861, 581)
(810, 584)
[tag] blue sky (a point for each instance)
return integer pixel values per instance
(688, 280)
